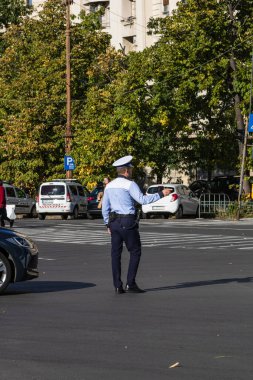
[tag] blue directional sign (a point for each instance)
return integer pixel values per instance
(69, 163)
(250, 125)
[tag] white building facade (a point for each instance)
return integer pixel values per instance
(75, 7)
(125, 20)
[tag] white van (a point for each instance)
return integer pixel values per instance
(61, 197)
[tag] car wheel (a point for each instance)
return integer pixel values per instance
(145, 216)
(64, 216)
(41, 216)
(89, 216)
(75, 213)
(179, 213)
(33, 213)
(5, 272)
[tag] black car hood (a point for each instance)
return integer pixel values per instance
(6, 233)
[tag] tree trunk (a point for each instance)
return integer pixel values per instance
(159, 178)
(237, 98)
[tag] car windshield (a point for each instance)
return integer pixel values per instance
(97, 190)
(53, 190)
(156, 189)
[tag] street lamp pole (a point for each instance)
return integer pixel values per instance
(68, 133)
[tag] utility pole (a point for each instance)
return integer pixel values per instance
(68, 133)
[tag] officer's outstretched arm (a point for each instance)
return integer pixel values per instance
(137, 195)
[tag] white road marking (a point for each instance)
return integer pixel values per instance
(46, 259)
(84, 235)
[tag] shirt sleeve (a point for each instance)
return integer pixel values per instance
(138, 196)
(106, 207)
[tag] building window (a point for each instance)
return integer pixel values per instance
(166, 4)
(105, 18)
(29, 3)
(94, 8)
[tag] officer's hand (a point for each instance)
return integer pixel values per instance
(109, 231)
(166, 192)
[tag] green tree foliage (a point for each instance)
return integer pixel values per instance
(99, 137)
(171, 106)
(33, 94)
(121, 117)
(203, 67)
(12, 12)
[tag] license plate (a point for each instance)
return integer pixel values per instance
(158, 208)
(47, 201)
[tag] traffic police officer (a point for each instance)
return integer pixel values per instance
(119, 215)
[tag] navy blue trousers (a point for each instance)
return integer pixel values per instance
(125, 230)
(3, 216)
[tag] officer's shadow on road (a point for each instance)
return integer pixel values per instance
(194, 284)
(45, 287)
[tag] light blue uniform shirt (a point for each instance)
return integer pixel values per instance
(120, 196)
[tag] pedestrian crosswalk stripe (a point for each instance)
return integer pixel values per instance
(81, 235)
(197, 221)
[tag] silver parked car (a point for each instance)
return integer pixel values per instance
(23, 203)
(182, 201)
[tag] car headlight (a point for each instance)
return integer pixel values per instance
(19, 241)
(24, 241)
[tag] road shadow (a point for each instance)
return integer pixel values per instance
(184, 285)
(45, 287)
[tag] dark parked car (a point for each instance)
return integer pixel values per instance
(200, 186)
(93, 202)
(226, 184)
(18, 258)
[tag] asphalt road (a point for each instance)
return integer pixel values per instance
(197, 310)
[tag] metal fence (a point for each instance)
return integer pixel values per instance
(210, 203)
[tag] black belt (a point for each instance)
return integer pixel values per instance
(124, 215)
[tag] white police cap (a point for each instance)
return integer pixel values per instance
(123, 161)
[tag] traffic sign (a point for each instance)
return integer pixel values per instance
(69, 163)
(250, 125)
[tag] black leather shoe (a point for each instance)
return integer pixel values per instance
(134, 289)
(119, 290)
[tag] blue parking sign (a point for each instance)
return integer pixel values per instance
(250, 125)
(69, 163)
